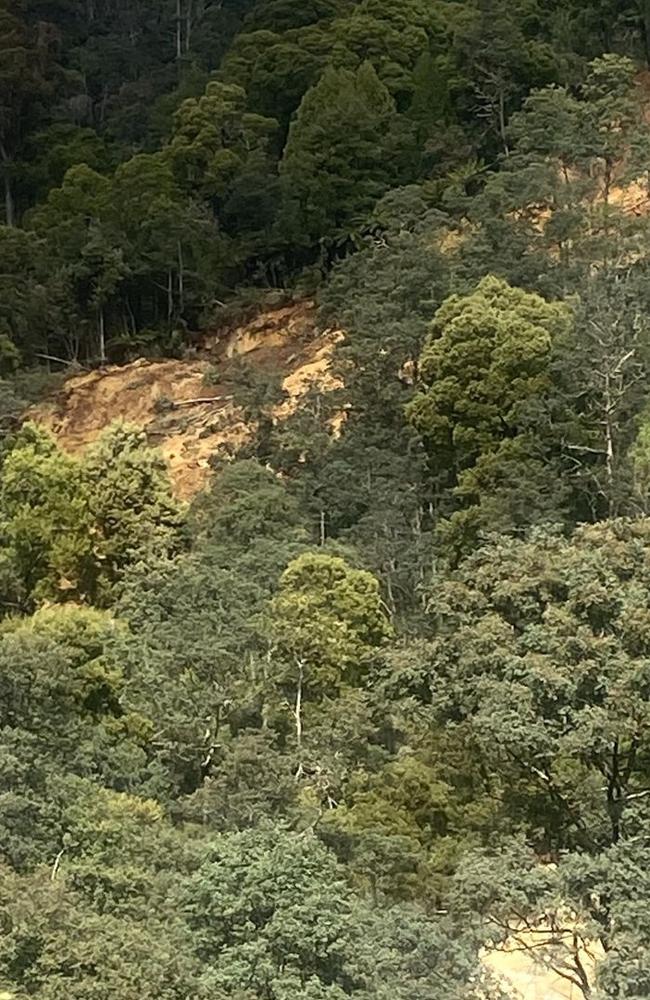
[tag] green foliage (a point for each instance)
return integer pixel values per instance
(26, 310)
(540, 652)
(213, 139)
(600, 405)
(334, 168)
(70, 527)
(308, 935)
(55, 942)
(46, 529)
(328, 618)
(551, 212)
(247, 502)
(344, 711)
(487, 374)
(129, 503)
(486, 358)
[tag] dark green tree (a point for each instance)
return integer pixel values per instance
(346, 147)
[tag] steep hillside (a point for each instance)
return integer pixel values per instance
(188, 417)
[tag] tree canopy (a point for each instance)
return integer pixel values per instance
(368, 715)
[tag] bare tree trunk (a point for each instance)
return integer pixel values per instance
(502, 122)
(188, 26)
(10, 208)
(644, 12)
(389, 590)
(131, 316)
(56, 865)
(297, 713)
(298, 707)
(170, 295)
(102, 108)
(181, 279)
(609, 444)
(179, 30)
(102, 336)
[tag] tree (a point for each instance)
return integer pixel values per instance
(173, 252)
(602, 401)
(28, 309)
(333, 167)
(391, 36)
(539, 656)
(214, 137)
(245, 504)
(12, 407)
(327, 622)
(198, 627)
(486, 377)
(54, 150)
(46, 528)
(56, 941)
(85, 684)
(277, 69)
(554, 209)
(532, 909)
(499, 61)
(486, 357)
(87, 256)
(247, 777)
(72, 527)
(577, 919)
(271, 912)
(384, 298)
(130, 504)
(26, 57)
(65, 716)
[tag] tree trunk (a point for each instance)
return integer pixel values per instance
(170, 295)
(10, 208)
(179, 30)
(129, 308)
(102, 336)
(389, 591)
(609, 444)
(502, 122)
(297, 713)
(103, 105)
(644, 13)
(188, 26)
(181, 280)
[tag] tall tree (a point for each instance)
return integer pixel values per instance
(599, 404)
(347, 145)
(539, 655)
(327, 622)
(486, 379)
(26, 69)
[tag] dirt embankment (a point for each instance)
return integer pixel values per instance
(185, 416)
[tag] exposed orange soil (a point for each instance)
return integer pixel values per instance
(160, 396)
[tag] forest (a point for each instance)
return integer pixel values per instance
(375, 703)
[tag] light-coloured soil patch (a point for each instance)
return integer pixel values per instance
(188, 418)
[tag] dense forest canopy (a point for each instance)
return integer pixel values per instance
(378, 699)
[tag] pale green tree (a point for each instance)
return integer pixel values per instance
(327, 622)
(130, 503)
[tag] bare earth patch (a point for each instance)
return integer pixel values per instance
(187, 418)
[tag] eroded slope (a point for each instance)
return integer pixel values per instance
(188, 418)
